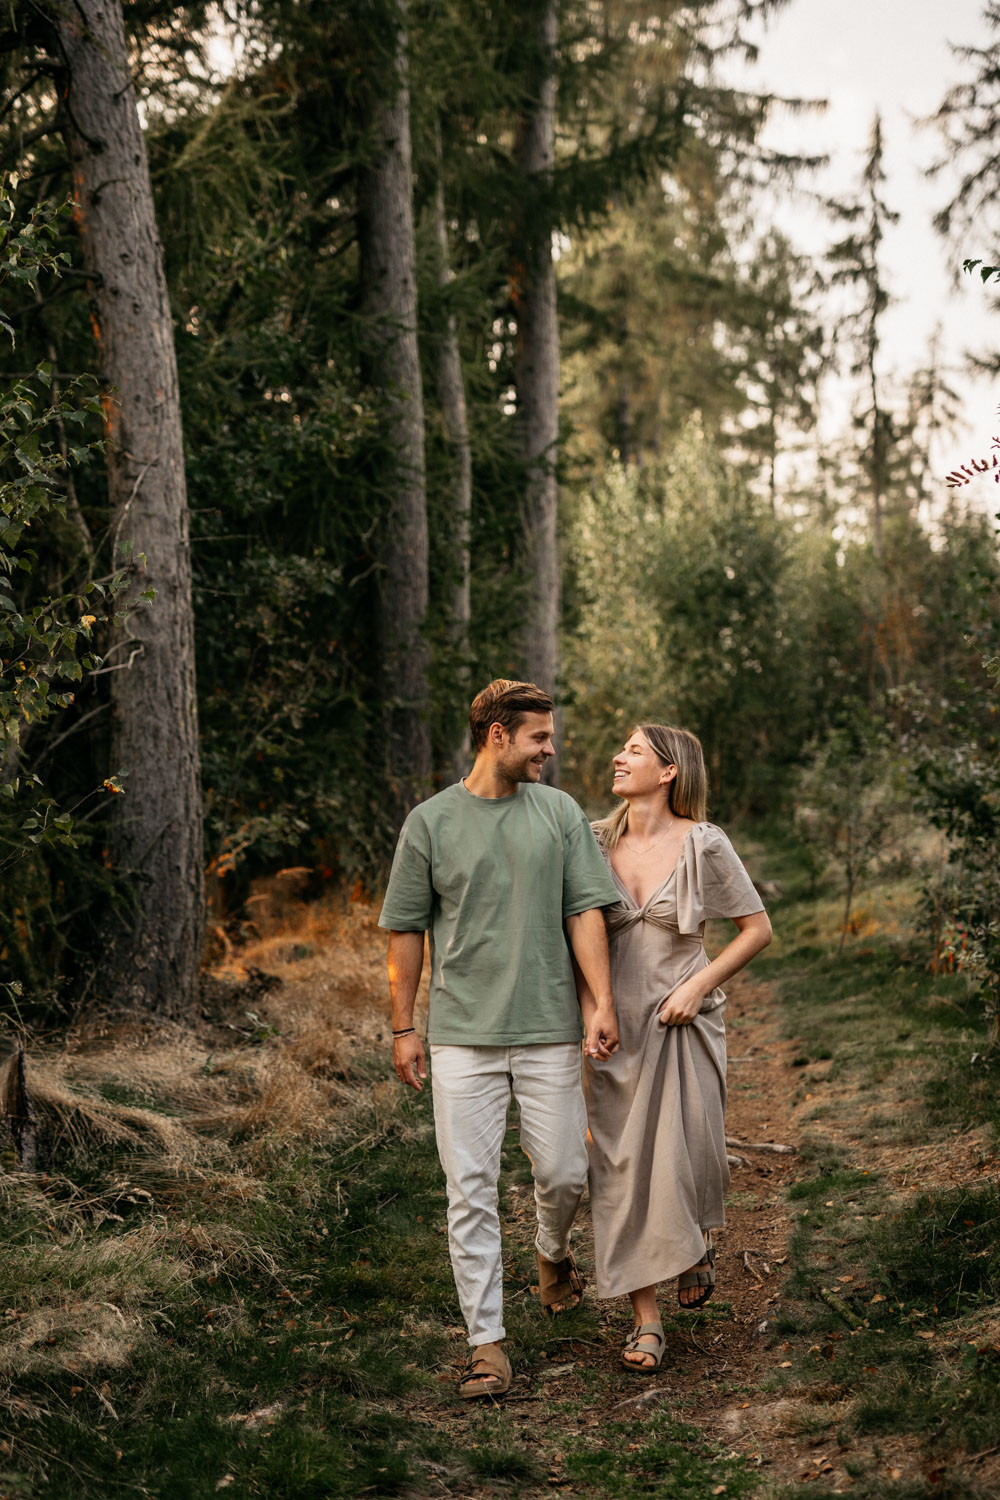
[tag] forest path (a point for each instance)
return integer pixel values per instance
(714, 1361)
(291, 1324)
(731, 1372)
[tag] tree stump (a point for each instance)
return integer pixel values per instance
(17, 1111)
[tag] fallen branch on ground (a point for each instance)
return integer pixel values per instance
(841, 1308)
(748, 1267)
(645, 1399)
(771, 1146)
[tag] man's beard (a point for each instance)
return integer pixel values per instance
(516, 768)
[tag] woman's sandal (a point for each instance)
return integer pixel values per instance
(559, 1281)
(647, 1330)
(704, 1278)
(488, 1373)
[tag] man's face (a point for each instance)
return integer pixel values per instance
(527, 748)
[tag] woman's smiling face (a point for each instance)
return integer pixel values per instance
(638, 770)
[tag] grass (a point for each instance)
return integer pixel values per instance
(234, 1274)
(283, 1323)
(893, 1303)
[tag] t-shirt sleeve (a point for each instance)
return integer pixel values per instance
(586, 881)
(409, 896)
(711, 881)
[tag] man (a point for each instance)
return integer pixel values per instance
(493, 867)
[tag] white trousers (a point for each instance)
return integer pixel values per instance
(472, 1088)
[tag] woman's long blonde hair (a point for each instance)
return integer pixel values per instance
(687, 793)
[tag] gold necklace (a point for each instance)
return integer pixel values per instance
(653, 844)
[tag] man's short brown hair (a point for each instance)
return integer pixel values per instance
(505, 702)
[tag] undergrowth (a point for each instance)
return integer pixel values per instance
(891, 1314)
(282, 1322)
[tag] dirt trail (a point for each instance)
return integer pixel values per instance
(717, 1369)
(712, 1365)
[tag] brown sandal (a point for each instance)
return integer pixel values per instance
(633, 1345)
(488, 1373)
(701, 1278)
(558, 1281)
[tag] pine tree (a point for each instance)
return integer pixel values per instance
(855, 263)
(968, 119)
(450, 383)
(537, 360)
(389, 302)
(151, 960)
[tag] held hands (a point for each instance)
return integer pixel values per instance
(602, 1034)
(682, 1004)
(408, 1060)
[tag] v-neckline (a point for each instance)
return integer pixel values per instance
(641, 905)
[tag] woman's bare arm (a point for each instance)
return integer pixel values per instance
(683, 1004)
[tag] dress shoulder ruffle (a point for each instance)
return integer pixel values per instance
(711, 881)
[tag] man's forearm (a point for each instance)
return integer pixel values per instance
(406, 960)
(589, 942)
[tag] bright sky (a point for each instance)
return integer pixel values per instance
(891, 55)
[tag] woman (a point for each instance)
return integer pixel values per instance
(658, 1170)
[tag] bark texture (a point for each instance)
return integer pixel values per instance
(454, 413)
(389, 302)
(17, 1112)
(151, 960)
(537, 367)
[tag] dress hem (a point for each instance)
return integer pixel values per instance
(624, 1291)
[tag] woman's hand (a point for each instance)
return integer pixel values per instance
(683, 1004)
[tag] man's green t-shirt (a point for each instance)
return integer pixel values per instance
(492, 879)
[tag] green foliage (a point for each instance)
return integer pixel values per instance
(696, 590)
(953, 752)
(692, 603)
(986, 273)
(47, 637)
(679, 617)
(850, 793)
(960, 790)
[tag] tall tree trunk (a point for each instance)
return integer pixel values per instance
(389, 301)
(537, 365)
(878, 444)
(151, 959)
(451, 397)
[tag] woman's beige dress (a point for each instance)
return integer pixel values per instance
(656, 1109)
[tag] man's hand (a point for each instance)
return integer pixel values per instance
(408, 1060)
(683, 1004)
(406, 959)
(602, 1033)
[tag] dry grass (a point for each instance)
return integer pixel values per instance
(77, 1337)
(302, 999)
(79, 1302)
(80, 1121)
(182, 1122)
